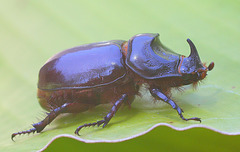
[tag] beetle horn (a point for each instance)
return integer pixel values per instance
(194, 53)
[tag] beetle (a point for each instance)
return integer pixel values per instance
(76, 79)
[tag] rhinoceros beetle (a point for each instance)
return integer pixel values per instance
(76, 79)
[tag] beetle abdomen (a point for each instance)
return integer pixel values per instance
(87, 98)
(83, 67)
(55, 98)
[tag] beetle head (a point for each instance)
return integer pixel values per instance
(191, 67)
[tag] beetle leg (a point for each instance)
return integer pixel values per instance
(108, 117)
(159, 95)
(38, 127)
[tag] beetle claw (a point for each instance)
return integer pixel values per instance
(13, 135)
(77, 132)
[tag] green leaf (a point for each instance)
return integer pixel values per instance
(159, 139)
(32, 31)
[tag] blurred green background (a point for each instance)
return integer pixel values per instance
(32, 31)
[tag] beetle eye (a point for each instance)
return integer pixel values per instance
(203, 75)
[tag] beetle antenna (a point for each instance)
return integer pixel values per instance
(211, 66)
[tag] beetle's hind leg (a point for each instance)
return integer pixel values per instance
(156, 93)
(108, 117)
(65, 108)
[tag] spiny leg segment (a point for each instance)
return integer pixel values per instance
(159, 95)
(108, 117)
(38, 127)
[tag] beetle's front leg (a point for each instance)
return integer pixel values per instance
(108, 117)
(156, 93)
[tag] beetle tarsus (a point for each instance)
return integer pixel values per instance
(33, 130)
(159, 95)
(107, 118)
(193, 118)
(98, 123)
